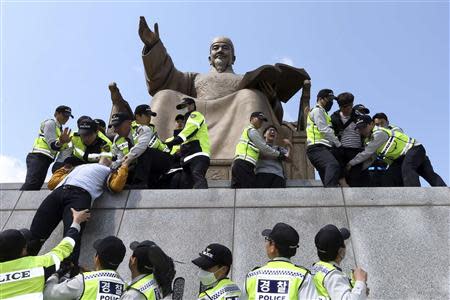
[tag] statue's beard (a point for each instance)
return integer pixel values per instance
(220, 64)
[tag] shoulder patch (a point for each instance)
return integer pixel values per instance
(193, 115)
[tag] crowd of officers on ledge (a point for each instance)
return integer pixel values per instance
(348, 148)
(25, 276)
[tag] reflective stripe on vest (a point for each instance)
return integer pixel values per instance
(397, 145)
(23, 278)
(313, 134)
(196, 123)
(40, 143)
(225, 289)
(275, 280)
(319, 271)
(246, 149)
(148, 287)
(79, 149)
(156, 143)
(102, 285)
(122, 144)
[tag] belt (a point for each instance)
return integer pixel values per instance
(73, 187)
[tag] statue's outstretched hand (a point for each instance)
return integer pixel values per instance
(148, 37)
(116, 97)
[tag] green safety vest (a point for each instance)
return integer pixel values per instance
(195, 137)
(313, 134)
(102, 285)
(156, 143)
(319, 272)
(25, 277)
(79, 148)
(278, 279)
(224, 290)
(245, 149)
(397, 145)
(394, 128)
(148, 287)
(40, 144)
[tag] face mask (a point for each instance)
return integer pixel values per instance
(206, 278)
(328, 106)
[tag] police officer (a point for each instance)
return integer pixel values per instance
(101, 125)
(247, 153)
(87, 146)
(280, 278)
(103, 283)
(52, 138)
(214, 266)
(321, 140)
(23, 276)
(195, 147)
(380, 119)
(330, 281)
(152, 272)
(396, 149)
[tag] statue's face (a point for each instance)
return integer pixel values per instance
(221, 56)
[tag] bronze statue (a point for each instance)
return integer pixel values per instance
(225, 98)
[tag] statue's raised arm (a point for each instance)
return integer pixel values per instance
(160, 72)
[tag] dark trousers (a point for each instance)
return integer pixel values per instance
(416, 163)
(269, 180)
(194, 172)
(325, 163)
(243, 174)
(37, 167)
(150, 166)
(356, 177)
(56, 207)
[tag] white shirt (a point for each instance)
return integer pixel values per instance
(338, 287)
(90, 177)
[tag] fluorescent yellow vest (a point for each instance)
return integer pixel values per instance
(40, 144)
(102, 285)
(156, 143)
(195, 137)
(313, 135)
(148, 287)
(245, 149)
(24, 277)
(397, 145)
(276, 280)
(79, 149)
(225, 289)
(319, 271)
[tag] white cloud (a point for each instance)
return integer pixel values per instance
(287, 60)
(12, 169)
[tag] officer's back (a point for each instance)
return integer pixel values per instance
(280, 278)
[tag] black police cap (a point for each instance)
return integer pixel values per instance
(283, 235)
(213, 255)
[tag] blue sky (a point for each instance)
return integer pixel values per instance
(393, 56)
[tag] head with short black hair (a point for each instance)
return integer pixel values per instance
(270, 133)
(380, 119)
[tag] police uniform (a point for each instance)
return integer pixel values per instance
(24, 277)
(78, 153)
(146, 254)
(320, 141)
(280, 279)
(247, 154)
(401, 152)
(210, 286)
(104, 284)
(195, 148)
(329, 279)
(143, 144)
(45, 148)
